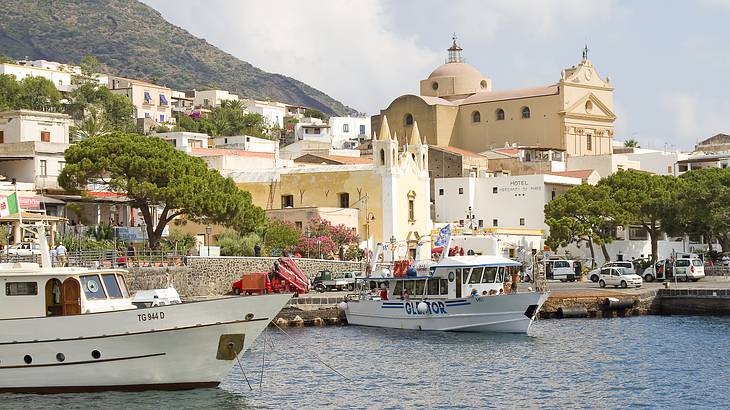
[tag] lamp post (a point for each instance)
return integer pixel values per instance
(208, 230)
(307, 234)
(319, 249)
(392, 252)
(470, 217)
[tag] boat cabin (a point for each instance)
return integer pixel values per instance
(452, 277)
(27, 290)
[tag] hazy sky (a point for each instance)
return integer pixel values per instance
(669, 61)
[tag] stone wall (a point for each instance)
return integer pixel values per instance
(213, 276)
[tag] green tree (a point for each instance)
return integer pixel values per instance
(644, 199)
(116, 109)
(631, 143)
(278, 235)
(312, 113)
(702, 205)
(186, 123)
(6, 60)
(152, 173)
(9, 92)
(39, 94)
(234, 244)
(94, 125)
(583, 212)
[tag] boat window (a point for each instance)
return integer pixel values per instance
(112, 288)
(420, 284)
(444, 285)
(476, 275)
(398, 287)
(433, 286)
(500, 275)
(123, 286)
(410, 286)
(490, 273)
(92, 287)
(21, 288)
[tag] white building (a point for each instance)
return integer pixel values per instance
(211, 98)
(181, 102)
(655, 161)
(511, 207)
(313, 129)
(273, 112)
(247, 143)
(185, 141)
(605, 164)
(32, 144)
(349, 132)
(61, 79)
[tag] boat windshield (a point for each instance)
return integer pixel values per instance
(490, 273)
(92, 287)
(110, 283)
(476, 275)
(123, 286)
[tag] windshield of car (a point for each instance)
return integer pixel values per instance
(682, 263)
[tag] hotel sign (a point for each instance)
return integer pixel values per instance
(520, 185)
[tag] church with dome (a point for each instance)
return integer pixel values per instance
(458, 107)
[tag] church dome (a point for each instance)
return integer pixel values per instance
(455, 70)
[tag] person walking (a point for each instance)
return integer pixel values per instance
(61, 254)
(130, 255)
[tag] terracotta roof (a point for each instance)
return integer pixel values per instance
(332, 159)
(508, 151)
(459, 151)
(583, 174)
(231, 152)
(488, 96)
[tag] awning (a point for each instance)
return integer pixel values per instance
(147, 97)
(163, 100)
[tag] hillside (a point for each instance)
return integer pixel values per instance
(133, 40)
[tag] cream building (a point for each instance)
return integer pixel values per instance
(457, 106)
(391, 192)
(149, 100)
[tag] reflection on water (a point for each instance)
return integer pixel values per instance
(646, 361)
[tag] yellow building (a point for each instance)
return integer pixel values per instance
(392, 192)
(457, 107)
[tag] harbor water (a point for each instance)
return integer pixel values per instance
(647, 361)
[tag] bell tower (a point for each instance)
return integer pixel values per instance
(418, 149)
(385, 148)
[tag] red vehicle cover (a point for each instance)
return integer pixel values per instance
(289, 271)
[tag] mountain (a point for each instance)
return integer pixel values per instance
(131, 39)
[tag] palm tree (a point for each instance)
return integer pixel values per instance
(631, 143)
(93, 125)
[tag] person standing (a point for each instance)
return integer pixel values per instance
(130, 255)
(61, 254)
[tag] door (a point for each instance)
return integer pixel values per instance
(458, 283)
(71, 297)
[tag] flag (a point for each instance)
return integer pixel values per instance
(444, 236)
(9, 205)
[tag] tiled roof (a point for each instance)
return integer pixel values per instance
(488, 96)
(583, 174)
(459, 151)
(231, 152)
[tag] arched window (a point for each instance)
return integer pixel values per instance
(500, 114)
(435, 85)
(525, 112)
(382, 157)
(589, 106)
(409, 119)
(476, 117)
(483, 84)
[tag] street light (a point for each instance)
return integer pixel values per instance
(208, 230)
(319, 251)
(470, 216)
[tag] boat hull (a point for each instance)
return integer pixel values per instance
(181, 346)
(512, 313)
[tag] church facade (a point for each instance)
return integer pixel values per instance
(458, 107)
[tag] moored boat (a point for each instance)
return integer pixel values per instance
(459, 293)
(76, 330)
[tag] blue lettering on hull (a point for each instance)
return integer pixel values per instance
(434, 308)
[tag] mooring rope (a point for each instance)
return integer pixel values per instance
(315, 354)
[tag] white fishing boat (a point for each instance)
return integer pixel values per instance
(76, 330)
(459, 293)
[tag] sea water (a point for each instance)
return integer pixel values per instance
(648, 361)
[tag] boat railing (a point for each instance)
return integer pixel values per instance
(108, 258)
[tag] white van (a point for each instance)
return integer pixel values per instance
(686, 269)
(560, 269)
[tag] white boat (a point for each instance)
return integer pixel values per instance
(76, 330)
(455, 296)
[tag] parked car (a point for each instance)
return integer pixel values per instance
(560, 269)
(326, 280)
(618, 276)
(25, 249)
(685, 267)
(593, 275)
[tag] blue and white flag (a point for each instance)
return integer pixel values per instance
(444, 236)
